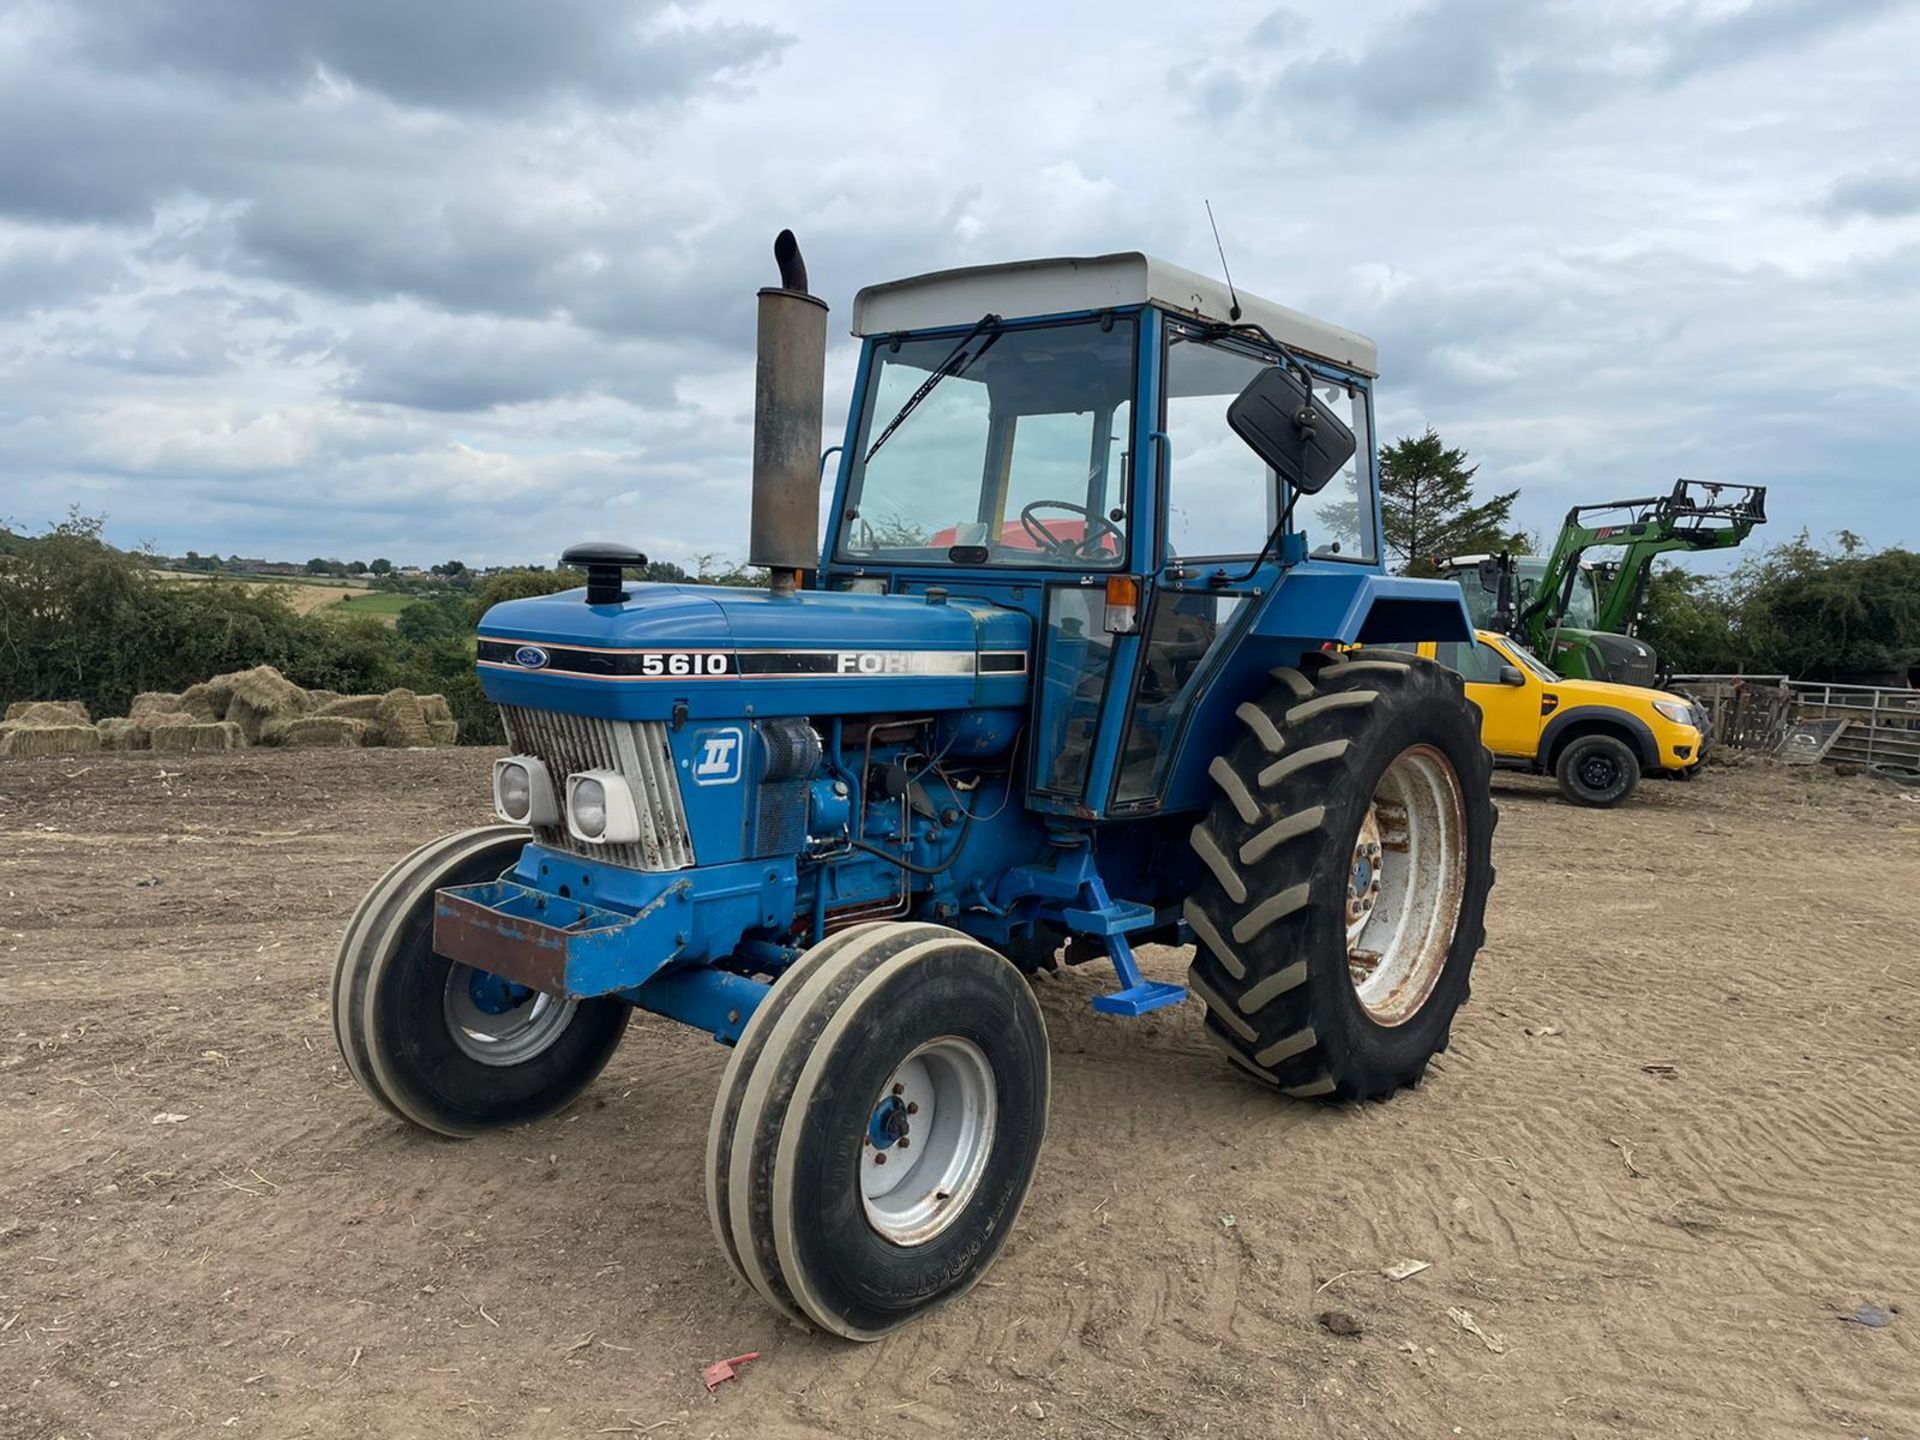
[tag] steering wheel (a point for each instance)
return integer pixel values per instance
(1097, 527)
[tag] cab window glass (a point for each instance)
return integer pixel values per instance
(1338, 522)
(1220, 495)
(1222, 500)
(1185, 630)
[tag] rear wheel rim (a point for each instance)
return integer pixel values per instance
(497, 1023)
(1405, 885)
(929, 1137)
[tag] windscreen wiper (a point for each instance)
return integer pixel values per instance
(955, 364)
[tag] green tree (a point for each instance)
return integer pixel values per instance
(382, 566)
(1426, 500)
(522, 584)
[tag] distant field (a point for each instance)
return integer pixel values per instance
(308, 593)
(386, 603)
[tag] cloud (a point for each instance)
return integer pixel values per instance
(478, 278)
(457, 55)
(1506, 60)
(1883, 195)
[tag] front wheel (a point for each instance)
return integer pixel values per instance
(443, 1046)
(1597, 770)
(1346, 869)
(874, 1142)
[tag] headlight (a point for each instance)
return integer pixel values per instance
(587, 808)
(523, 792)
(600, 808)
(1678, 711)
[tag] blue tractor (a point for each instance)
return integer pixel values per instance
(1076, 668)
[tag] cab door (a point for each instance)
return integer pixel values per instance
(1510, 713)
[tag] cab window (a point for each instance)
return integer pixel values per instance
(1222, 500)
(1220, 495)
(1009, 445)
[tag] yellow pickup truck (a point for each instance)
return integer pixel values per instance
(1596, 739)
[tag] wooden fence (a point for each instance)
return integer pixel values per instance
(1881, 726)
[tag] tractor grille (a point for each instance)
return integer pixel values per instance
(638, 749)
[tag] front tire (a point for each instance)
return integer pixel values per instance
(1597, 770)
(887, 1129)
(1345, 873)
(447, 1048)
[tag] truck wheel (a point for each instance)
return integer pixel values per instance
(443, 1046)
(887, 1130)
(1345, 870)
(1597, 770)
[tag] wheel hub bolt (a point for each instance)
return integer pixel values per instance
(913, 1107)
(879, 1157)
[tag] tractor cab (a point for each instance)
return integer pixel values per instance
(1058, 437)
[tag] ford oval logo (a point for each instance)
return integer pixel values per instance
(530, 657)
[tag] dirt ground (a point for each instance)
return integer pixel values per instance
(1676, 1144)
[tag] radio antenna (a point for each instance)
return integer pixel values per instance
(1234, 313)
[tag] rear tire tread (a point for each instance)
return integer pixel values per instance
(1270, 962)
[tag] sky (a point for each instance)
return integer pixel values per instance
(475, 279)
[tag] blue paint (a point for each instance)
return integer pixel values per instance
(716, 1001)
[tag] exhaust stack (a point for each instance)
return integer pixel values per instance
(788, 400)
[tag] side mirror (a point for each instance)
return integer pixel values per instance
(1490, 575)
(1511, 675)
(1287, 426)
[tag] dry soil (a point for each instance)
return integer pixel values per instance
(1675, 1147)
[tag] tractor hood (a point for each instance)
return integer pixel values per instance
(705, 652)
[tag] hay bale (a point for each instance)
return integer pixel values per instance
(262, 694)
(435, 707)
(19, 737)
(400, 721)
(357, 707)
(219, 691)
(444, 732)
(153, 702)
(324, 730)
(122, 734)
(221, 735)
(49, 712)
(154, 721)
(205, 703)
(319, 700)
(197, 735)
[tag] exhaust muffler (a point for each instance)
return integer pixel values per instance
(789, 390)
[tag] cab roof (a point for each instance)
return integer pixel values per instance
(1071, 283)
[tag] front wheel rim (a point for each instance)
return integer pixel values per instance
(929, 1136)
(497, 1023)
(1406, 883)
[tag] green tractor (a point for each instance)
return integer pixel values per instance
(1580, 616)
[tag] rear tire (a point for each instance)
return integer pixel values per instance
(1597, 770)
(1344, 877)
(450, 1049)
(913, 1046)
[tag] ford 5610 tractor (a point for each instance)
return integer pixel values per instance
(1072, 671)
